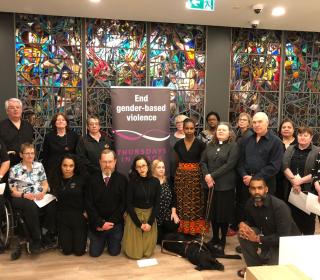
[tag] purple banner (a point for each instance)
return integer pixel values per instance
(140, 120)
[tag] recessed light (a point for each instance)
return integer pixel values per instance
(95, 1)
(278, 11)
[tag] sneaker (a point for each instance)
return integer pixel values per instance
(231, 232)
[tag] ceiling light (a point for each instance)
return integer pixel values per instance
(94, 1)
(278, 11)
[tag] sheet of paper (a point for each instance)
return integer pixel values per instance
(46, 200)
(299, 200)
(301, 251)
(2, 187)
(313, 204)
(147, 262)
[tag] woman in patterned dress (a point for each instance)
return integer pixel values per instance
(187, 184)
(167, 219)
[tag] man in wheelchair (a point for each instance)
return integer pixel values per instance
(28, 183)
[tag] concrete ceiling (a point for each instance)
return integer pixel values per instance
(301, 15)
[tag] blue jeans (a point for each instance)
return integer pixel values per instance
(99, 239)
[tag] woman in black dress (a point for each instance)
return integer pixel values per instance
(190, 195)
(167, 219)
(218, 164)
(60, 141)
(143, 201)
(69, 188)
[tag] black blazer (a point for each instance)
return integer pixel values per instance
(105, 203)
(220, 161)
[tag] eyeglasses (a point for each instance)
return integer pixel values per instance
(141, 166)
(29, 154)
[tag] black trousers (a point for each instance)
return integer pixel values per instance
(72, 232)
(255, 257)
(306, 223)
(32, 214)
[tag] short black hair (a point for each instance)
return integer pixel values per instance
(258, 179)
(214, 114)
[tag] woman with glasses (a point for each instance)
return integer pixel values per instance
(143, 202)
(28, 183)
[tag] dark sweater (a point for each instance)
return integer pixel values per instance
(13, 137)
(89, 150)
(273, 219)
(70, 194)
(105, 203)
(220, 160)
(54, 147)
(143, 193)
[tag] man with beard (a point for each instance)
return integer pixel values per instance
(267, 218)
(105, 205)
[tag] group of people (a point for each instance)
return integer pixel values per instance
(224, 177)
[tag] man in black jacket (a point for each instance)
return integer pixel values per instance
(14, 131)
(267, 218)
(105, 203)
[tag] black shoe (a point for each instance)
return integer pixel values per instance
(34, 247)
(238, 249)
(49, 242)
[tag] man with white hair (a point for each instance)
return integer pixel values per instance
(260, 157)
(14, 131)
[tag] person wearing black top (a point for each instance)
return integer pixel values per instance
(143, 202)
(105, 205)
(4, 167)
(167, 218)
(260, 156)
(298, 164)
(187, 184)
(14, 131)
(218, 163)
(267, 218)
(90, 146)
(57, 143)
(69, 188)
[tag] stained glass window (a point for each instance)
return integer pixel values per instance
(48, 67)
(302, 80)
(177, 61)
(116, 56)
(255, 73)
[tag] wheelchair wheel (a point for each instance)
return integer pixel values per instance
(6, 224)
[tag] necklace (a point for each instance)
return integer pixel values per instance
(146, 191)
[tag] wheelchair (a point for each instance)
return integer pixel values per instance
(14, 233)
(6, 223)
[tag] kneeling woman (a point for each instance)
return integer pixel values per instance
(28, 183)
(143, 200)
(69, 187)
(167, 218)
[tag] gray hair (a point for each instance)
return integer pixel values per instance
(6, 104)
(262, 115)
